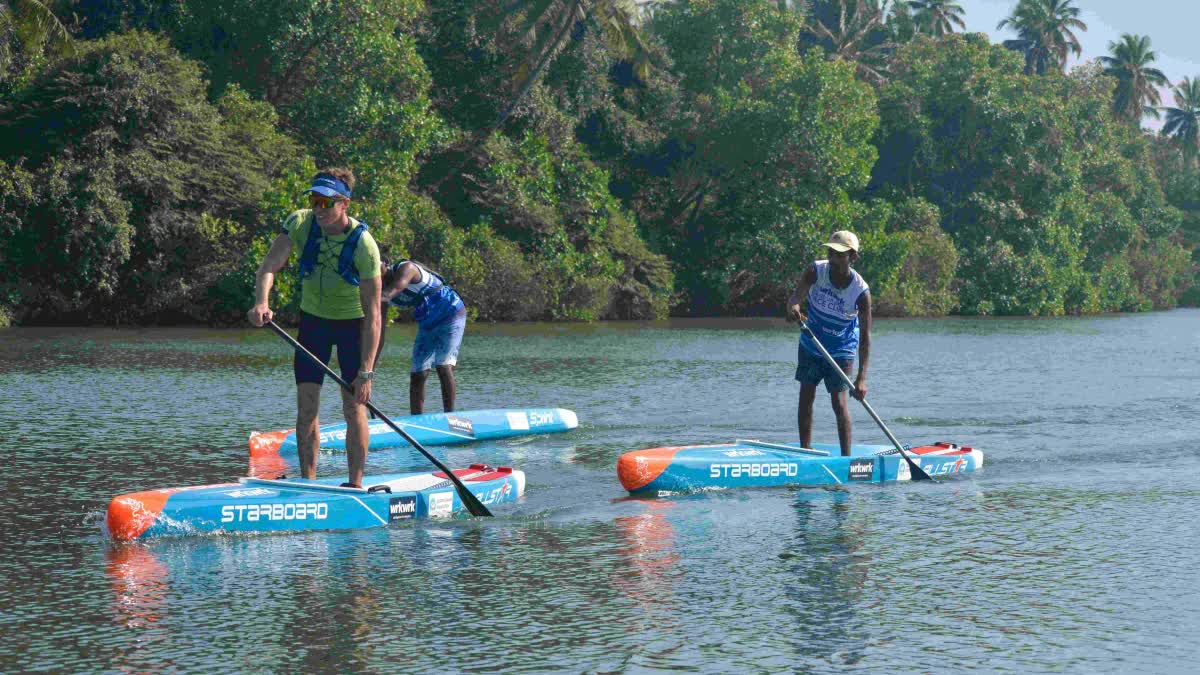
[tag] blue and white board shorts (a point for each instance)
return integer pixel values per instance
(812, 369)
(437, 345)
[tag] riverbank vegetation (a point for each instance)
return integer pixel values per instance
(591, 159)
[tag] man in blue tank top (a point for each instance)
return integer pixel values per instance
(441, 321)
(835, 302)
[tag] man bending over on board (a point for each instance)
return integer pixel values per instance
(441, 320)
(339, 305)
(837, 300)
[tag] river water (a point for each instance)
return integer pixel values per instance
(1075, 550)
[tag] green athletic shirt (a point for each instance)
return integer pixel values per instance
(325, 293)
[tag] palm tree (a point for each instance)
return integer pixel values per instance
(902, 26)
(32, 27)
(1183, 121)
(1045, 30)
(546, 28)
(937, 17)
(856, 35)
(549, 25)
(1137, 82)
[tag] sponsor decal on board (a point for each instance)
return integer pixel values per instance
(743, 453)
(460, 425)
(517, 421)
(861, 469)
(441, 504)
(239, 513)
(945, 468)
(331, 436)
(402, 508)
(753, 470)
(494, 495)
(252, 492)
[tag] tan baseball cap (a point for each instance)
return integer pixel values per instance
(842, 241)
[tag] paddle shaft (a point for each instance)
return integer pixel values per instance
(917, 472)
(469, 500)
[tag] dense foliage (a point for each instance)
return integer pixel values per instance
(587, 159)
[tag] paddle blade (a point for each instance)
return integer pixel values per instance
(474, 506)
(915, 469)
(469, 500)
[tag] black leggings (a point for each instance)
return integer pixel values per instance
(319, 336)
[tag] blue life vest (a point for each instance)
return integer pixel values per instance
(428, 284)
(312, 247)
(431, 300)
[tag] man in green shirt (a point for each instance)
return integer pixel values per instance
(339, 305)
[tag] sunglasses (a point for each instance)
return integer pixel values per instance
(839, 254)
(322, 202)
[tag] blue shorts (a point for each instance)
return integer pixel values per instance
(812, 369)
(319, 337)
(437, 345)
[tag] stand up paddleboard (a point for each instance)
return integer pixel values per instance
(432, 429)
(262, 505)
(745, 463)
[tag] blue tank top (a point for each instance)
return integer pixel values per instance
(431, 300)
(833, 314)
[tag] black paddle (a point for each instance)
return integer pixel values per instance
(472, 502)
(917, 472)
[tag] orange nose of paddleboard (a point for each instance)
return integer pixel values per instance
(132, 514)
(266, 442)
(639, 468)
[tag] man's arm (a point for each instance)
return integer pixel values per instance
(408, 274)
(264, 279)
(798, 300)
(369, 293)
(864, 344)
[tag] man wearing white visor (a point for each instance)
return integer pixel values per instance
(339, 307)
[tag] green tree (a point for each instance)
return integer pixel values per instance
(345, 77)
(1183, 120)
(1137, 81)
(529, 193)
(937, 17)
(1045, 29)
(134, 208)
(1051, 202)
(910, 262)
(758, 157)
(525, 38)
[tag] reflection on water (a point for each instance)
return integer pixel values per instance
(269, 466)
(139, 585)
(830, 568)
(1074, 550)
(650, 550)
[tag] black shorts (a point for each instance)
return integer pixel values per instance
(319, 336)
